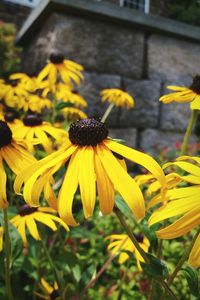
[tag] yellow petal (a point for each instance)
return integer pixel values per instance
(182, 226)
(3, 177)
(194, 258)
(122, 182)
(46, 286)
(22, 230)
(46, 219)
(104, 187)
(174, 208)
(32, 227)
(138, 157)
(68, 189)
(87, 180)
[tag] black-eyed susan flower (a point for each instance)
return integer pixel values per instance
(121, 244)
(28, 218)
(12, 152)
(36, 103)
(117, 97)
(60, 68)
(65, 94)
(185, 94)
(29, 83)
(94, 160)
(184, 203)
(73, 113)
(14, 95)
(49, 292)
(36, 131)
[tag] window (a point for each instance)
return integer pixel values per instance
(142, 5)
(30, 3)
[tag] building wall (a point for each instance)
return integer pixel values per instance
(13, 13)
(119, 56)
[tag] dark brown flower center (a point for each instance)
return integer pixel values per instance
(139, 237)
(195, 86)
(5, 134)
(10, 116)
(87, 132)
(54, 295)
(32, 120)
(56, 58)
(26, 210)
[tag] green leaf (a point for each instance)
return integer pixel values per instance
(88, 275)
(62, 105)
(156, 269)
(191, 276)
(76, 270)
(121, 204)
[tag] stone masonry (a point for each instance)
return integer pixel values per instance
(141, 60)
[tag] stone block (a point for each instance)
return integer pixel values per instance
(153, 141)
(169, 58)
(146, 111)
(99, 46)
(128, 135)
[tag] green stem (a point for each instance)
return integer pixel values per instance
(107, 112)
(140, 250)
(7, 258)
(51, 264)
(130, 234)
(180, 263)
(191, 124)
(153, 282)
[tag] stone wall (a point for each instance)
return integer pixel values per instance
(139, 61)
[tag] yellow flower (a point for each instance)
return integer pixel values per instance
(14, 154)
(59, 67)
(36, 131)
(14, 95)
(93, 160)
(117, 97)
(185, 94)
(72, 113)
(183, 202)
(120, 243)
(66, 95)
(29, 83)
(49, 292)
(27, 218)
(35, 103)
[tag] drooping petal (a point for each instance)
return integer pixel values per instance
(104, 187)
(138, 157)
(87, 180)
(68, 189)
(186, 166)
(46, 286)
(32, 227)
(3, 177)
(45, 219)
(181, 226)
(22, 230)
(122, 182)
(174, 208)
(194, 258)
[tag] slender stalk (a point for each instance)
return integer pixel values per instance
(7, 258)
(188, 132)
(180, 263)
(140, 250)
(107, 112)
(153, 282)
(130, 234)
(100, 272)
(52, 265)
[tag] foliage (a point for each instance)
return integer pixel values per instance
(9, 53)
(187, 11)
